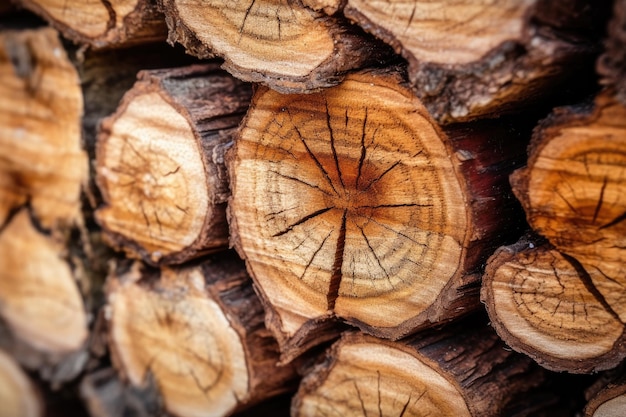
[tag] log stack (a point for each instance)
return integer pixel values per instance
(302, 215)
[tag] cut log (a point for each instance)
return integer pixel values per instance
(160, 163)
(353, 203)
(18, 396)
(450, 372)
(607, 396)
(106, 75)
(199, 331)
(42, 170)
(543, 304)
(470, 59)
(612, 64)
(41, 160)
(573, 191)
(102, 23)
(39, 299)
(276, 42)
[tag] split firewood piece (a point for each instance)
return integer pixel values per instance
(18, 396)
(470, 59)
(276, 42)
(40, 111)
(543, 304)
(353, 203)
(39, 299)
(612, 64)
(160, 164)
(102, 23)
(607, 396)
(574, 193)
(451, 372)
(199, 331)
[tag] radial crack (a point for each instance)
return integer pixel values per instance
(302, 220)
(335, 277)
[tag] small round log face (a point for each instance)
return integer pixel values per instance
(344, 208)
(145, 171)
(370, 378)
(271, 36)
(206, 373)
(541, 306)
(577, 197)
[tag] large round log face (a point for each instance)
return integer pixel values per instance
(347, 208)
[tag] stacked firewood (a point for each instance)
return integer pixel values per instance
(312, 208)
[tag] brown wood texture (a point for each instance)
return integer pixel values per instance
(352, 203)
(40, 110)
(471, 59)
(573, 191)
(607, 396)
(102, 23)
(543, 304)
(199, 331)
(160, 163)
(452, 372)
(275, 42)
(612, 63)
(42, 170)
(18, 395)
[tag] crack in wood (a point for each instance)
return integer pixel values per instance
(335, 278)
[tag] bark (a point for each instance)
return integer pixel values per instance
(572, 191)
(451, 372)
(18, 395)
(353, 204)
(607, 396)
(612, 63)
(42, 170)
(469, 59)
(543, 304)
(160, 163)
(102, 23)
(275, 42)
(228, 359)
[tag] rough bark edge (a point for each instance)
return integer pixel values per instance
(150, 81)
(145, 24)
(352, 50)
(574, 366)
(446, 89)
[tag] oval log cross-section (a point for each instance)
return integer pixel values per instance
(574, 189)
(350, 203)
